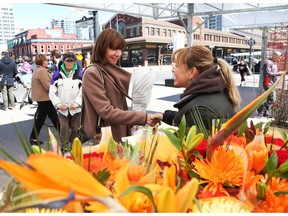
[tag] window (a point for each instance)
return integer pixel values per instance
(42, 48)
(169, 33)
(157, 32)
(48, 48)
(132, 32)
(146, 31)
(62, 48)
(35, 49)
(138, 31)
(152, 31)
(164, 33)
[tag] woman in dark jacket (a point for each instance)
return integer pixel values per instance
(210, 88)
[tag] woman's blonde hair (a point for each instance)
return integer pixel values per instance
(201, 58)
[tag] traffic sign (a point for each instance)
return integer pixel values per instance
(84, 22)
(251, 42)
(170, 46)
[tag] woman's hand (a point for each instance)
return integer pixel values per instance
(153, 119)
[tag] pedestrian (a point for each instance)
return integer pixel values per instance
(55, 56)
(105, 89)
(270, 73)
(66, 95)
(8, 71)
(244, 70)
(40, 93)
(209, 88)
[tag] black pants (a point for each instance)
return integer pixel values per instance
(44, 108)
(266, 108)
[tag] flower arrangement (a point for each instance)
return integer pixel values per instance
(238, 168)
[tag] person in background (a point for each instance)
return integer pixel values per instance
(243, 69)
(40, 93)
(8, 71)
(55, 57)
(105, 89)
(209, 88)
(26, 66)
(270, 73)
(66, 95)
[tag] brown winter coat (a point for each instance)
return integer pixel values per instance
(108, 101)
(40, 84)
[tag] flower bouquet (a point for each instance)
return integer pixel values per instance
(238, 168)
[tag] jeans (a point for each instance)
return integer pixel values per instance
(8, 95)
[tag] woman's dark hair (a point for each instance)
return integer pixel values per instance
(108, 38)
(39, 59)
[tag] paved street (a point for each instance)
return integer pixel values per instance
(163, 98)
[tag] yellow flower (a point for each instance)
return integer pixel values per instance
(226, 168)
(37, 210)
(221, 205)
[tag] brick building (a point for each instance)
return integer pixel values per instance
(41, 41)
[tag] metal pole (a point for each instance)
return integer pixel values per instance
(263, 57)
(95, 24)
(190, 24)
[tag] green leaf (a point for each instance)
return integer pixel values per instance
(283, 134)
(191, 133)
(182, 128)
(271, 164)
(281, 193)
(102, 176)
(266, 127)
(242, 129)
(173, 139)
(282, 175)
(112, 148)
(143, 190)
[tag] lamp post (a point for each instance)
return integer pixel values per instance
(95, 24)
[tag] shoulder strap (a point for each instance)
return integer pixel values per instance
(99, 118)
(116, 85)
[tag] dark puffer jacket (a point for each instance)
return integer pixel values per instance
(8, 69)
(206, 94)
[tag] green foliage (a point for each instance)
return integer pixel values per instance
(102, 176)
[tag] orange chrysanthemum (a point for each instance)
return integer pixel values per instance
(225, 169)
(273, 202)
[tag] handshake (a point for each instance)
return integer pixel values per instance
(153, 119)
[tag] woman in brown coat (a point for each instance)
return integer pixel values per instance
(105, 88)
(40, 93)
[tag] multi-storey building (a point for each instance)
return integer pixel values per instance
(7, 28)
(35, 41)
(66, 23)
(149, 41)
(215, 22)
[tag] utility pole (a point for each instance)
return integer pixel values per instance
(95, 24)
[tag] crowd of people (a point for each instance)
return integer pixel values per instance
(77, 99)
